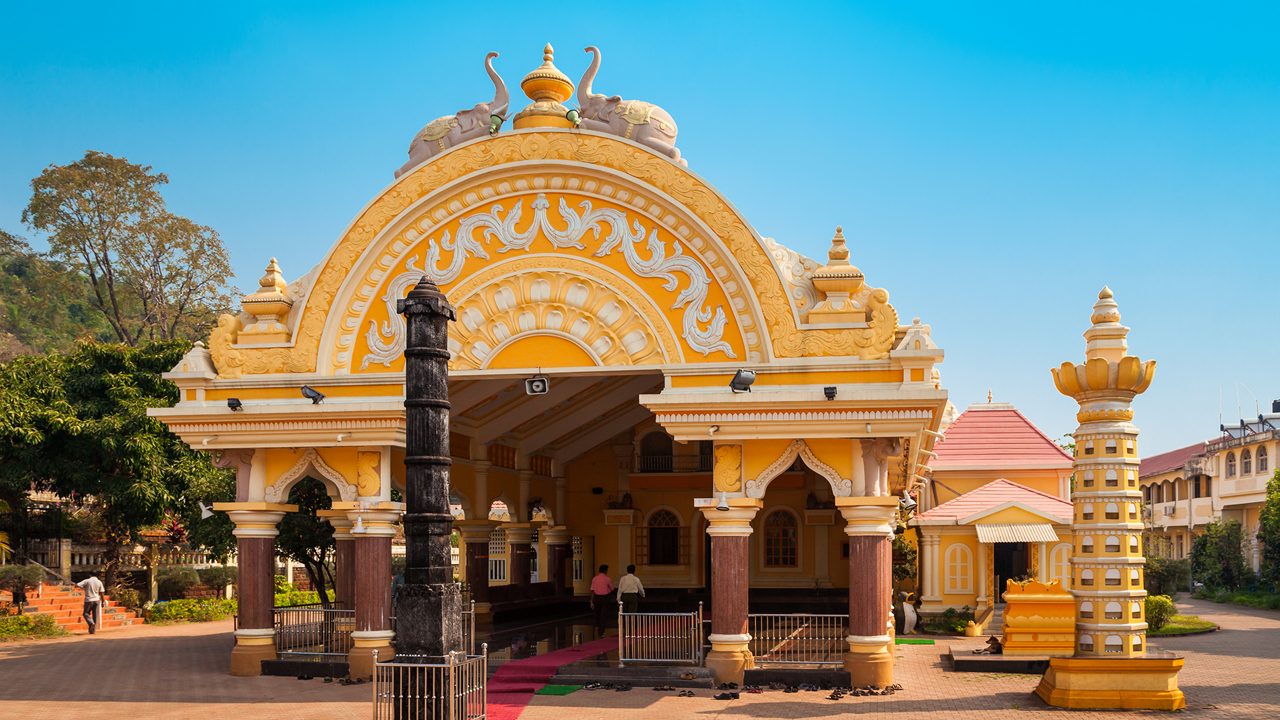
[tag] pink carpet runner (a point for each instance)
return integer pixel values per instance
(512, 686)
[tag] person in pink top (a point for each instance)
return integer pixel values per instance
(602, 598)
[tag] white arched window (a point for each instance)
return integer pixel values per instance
(1135, 610)
(1246, 462)
(1133, 478)
(1114, 611)
(1263, 465)
(1113, 544)
(1086, 578)
(1088, 478)
(1060, 564)
(1137, 643)
(1113, 511)
(1113, 577)
(1135, 577)
(1135, 545)
(1133, 511)
(959, 563)
(1114, 644)
(1086, 610)
(1086, 643)
(1086, 513)
(1231, 464)
(781, 539)
(1086, 545)
(659, 542)
(1113, 478)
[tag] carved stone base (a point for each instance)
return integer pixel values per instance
(246, 660)
(869, 664)
(1147, 683)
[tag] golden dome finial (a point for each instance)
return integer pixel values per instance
(1105, 293)
(839, 252)
(548, 88)
(273, 280)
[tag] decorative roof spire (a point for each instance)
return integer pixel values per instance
(273, 280)
(1105, 338)
(270, 307)
(838, 280)
(548, 88)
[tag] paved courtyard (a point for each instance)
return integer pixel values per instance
(179, 671)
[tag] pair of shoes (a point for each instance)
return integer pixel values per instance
(792, 689)
(622, 687)
(728, 686)
(836, 694)
(895, 687)
(753, 689)
(593, 686)
(685, 693)
(662, 688)
(809, 687)
(727, 696)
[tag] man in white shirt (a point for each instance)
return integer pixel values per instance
(93, 590)
(630, 589)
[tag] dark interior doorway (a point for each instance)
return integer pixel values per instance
(1012, 561)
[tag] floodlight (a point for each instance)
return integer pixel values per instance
(315, 396)
(235, 404)
(742, 381)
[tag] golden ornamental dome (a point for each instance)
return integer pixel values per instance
(548, 88)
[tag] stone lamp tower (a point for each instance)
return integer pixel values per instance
(1112, 666)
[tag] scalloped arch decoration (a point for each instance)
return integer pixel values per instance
(840, 487)
(310, 462)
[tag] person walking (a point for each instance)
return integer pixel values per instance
(630, 589)
(601, 599)
(93, 590)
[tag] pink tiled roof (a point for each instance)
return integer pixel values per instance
(996, 436)
(1164, 462)
(994, 495)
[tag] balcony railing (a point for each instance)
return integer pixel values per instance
(673, 463)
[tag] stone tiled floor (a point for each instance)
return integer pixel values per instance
(180, 672)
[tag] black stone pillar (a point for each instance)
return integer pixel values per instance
(428, 606)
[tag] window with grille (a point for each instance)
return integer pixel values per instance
(1263, 465)
(661, 542)
(1231, 464)
(781, 534)
(1246, 462)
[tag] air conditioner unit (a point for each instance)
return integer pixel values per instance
(1168, 510)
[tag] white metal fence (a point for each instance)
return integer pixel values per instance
(674, 638)
(313, 630)
(449, 690)
(798, 639)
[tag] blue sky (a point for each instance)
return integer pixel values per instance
(992, 166)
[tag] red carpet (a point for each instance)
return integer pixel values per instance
(512, 686)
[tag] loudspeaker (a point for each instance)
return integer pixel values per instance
(537, 386)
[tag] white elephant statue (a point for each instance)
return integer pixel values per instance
(636, 120)
(485, 118)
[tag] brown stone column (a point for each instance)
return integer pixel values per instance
(520, 552)
(373, 528)
(559, 553)
(475, 541)
(344, 558)
(255, 531)
(730, 533)
(869, 525)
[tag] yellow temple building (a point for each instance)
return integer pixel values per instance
(637, 375)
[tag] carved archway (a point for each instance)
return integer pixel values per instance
(310, 464)
(840, 487)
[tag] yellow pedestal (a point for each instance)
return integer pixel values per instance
(1039, 620)
(729, 659)
(246, 659)
(1141, 683)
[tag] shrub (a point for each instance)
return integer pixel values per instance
(299, 597)
(1217, 557)
(1159, 610)
(191, 610)
(1167, 577)
(950, 621)
(218, 577)
(127, 597)
(173, 581)
(282, 584)
(16, 577)
(26, 626)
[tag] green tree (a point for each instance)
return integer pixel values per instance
(76, 424)
(152, 274)
(307, 538)
(1269, 532)
(44, 305)
(1217, 557)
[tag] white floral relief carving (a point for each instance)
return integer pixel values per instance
(278, 491)
(840, 487)
(702, 326)
(797, 273)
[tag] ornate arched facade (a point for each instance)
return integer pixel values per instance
(608, 267)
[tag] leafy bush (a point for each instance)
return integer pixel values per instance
(1217, 557)
(282, 584)
(191, 610)
(173, 581)
(27, 626)
(950, 621)
(127, 597)
(15, 577)
(218, 577)
(1260, 600)
(291, 597)
(1159, 610)
(1167, 577)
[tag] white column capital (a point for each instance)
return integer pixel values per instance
(734, 522)
(869, 516)
(372, 519)
(255, 519)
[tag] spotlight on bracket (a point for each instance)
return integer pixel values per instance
(310, 393)
(723, 505)
(537, 385)
(235, 404)
(908, 502)
(206, 512)
(742, 381)
(830, 392)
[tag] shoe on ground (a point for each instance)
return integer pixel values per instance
(727, 696)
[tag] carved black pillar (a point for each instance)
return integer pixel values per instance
(428, 612)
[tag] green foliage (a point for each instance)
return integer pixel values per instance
(126, 596)
(1183, 625)
(1260, 600)
(191, 610)
(1158, 609)
(218, 577)
(1217, 557)
(76, 424)
(1165, 576)
(950, 621)
(44, 304)
(291, 597)
(19, 627)
(16, 577)
(172, 582)
(152, 274)
(307, 538)
(1269, 533)
(904, 559)
(282, 584)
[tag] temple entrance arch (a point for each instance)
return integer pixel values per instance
(311, 464)
(841, 485)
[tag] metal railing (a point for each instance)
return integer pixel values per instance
(673, 463)
(660, 637)
(313, 630)
(798, 639)
(450, 690)
(469, 627)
